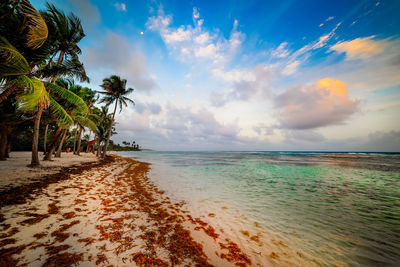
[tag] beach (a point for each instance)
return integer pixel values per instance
(108, 213)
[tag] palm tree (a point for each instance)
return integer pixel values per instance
(25, 28)
(30, 48)
(67, 32)
(115, 90)
(104, 120)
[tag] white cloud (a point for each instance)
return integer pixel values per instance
(196, 13)
(291, 68)
(187, 41)
(281, 51)
(120, 6)
(235, 75)
(321, 42)
(202, 38)
(179, 35)
(325, 38)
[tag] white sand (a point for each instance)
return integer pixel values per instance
(15, 171)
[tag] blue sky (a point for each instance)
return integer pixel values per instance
(249, 75)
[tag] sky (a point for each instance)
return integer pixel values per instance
(249, 75)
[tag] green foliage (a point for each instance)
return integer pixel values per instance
(37, 97)
(12, 62)
(60, 113)
(115, 90)
(36, 27)
(68, 96)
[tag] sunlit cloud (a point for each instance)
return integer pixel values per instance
(361, 47)
(325, 103)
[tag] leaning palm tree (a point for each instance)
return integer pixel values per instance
(25, 45)
(23, 32)
(115, 90)
(66, 31)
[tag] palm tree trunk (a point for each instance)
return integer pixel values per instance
(45, 138)
(7, 92)
(58, 153)
(60, 59)
(3, 143)
(98, 147)
(35, 139)
(53, 145)
(78, 149)
(109, 130)
(74, 149)
(87, 147)
(8, 150)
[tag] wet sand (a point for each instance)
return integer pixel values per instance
(110, 214)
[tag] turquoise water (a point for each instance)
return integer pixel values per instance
(329, 208)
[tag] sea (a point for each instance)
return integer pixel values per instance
(313, 208)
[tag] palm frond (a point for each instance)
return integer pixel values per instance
(70, 68)
(21, 81)
(62, 116)
(38, 96)
(90, 124)
(12, 62)
(37, 29)
(68, 96)
(128, 100)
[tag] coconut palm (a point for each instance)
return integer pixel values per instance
(82, 117)
(115, 90)
(104, 120)
(25, 28)
(19, 63)
(67, 31)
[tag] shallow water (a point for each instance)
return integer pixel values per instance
(328, 208)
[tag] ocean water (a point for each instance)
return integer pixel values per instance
(327, 208)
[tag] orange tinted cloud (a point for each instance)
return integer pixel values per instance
(334, 87)
(322, 104)
(360, 47)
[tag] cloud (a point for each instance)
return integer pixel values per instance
(120, 6)
(152, 108)
(328, 19)
(193, 42)
(130, 122)
(361, 47)
(115, 56)
(323, 104)
(281, 51)
(196, 13)
(296, 137)
(291, 68)
(195, 125)
(245, 84)
(321, 42)
(383, 141)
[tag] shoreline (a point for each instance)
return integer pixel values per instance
(111, 213)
